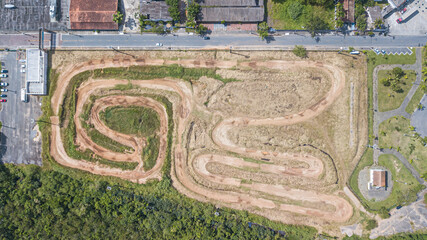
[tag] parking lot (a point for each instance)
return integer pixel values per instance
(20, 142)
(414, 19)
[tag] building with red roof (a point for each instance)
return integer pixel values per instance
(93, 15)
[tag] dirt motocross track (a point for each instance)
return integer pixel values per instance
(259, 196)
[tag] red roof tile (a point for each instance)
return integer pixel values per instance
(93, 14)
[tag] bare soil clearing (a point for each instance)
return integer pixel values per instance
(202, 134)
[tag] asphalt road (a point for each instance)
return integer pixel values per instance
(235, 40)
(17, 134)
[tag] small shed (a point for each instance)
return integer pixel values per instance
(378, 178)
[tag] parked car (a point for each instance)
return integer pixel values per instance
(3, 89)
(3, 95)
(4, 84)
(383, 51)
(3, 100)
(399, 20)
(159, 44)
(22, 66)
(22, 70)
(3, 71)
(206, 38)
(403, 11)
(3, 75)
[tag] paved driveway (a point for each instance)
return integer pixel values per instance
(17, 134)
(419, 118)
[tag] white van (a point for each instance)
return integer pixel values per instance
(24, 97)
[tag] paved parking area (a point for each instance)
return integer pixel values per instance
(407, 219)
(374, 194)
(30, 15)
(17, 144)
(419, 118)
(395, 51)
(414, 20)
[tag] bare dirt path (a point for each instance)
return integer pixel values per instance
(181, 168)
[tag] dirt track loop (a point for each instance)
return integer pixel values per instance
(184, 166)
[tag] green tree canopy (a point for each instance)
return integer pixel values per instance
(295, 10)
(263, 30)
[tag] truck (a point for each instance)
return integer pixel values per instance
(24, 97)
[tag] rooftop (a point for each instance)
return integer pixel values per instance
(155, 10)
(348, 6)
(232, 3)
(232, 14)
(89, 15)
(374, 13)
(36, 77)
(379, 178)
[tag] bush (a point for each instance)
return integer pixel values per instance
(300, 51)
(398, 72)
(263, 30)
(371, 224)
(295, 10)
(385, 81)
(174, 9)
(193, 11)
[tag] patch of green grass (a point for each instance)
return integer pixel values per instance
(374, 60)
(247, 159)
(281, 19)
(415, 100)
(1, 125)
(135, 120)
(366, 160)
(405, 186)
(389, 99)
(150, 152)
(396, 132)
(152, 72)
(107, 142)
(399, 173)
(68, 127)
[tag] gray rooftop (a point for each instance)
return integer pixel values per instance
(232, 3)
(156, 10)
(232, 14)
(36, 72)
(374, 13)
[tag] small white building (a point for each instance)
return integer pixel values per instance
(36, 77)
(377, 179)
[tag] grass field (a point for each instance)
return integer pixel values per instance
(374, 60)
(135, 120)
(395, 132)
(365, 160)
(401, 192)
(150, 152)
(405, 186)
(107, 142)
(389, 99)
(152, 72)
(415, 100)
(281, 19)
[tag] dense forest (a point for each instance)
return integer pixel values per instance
(45, 204)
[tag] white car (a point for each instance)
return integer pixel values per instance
(3, 75)
(4, 84)
(22, 70)
(22, 66)
(159, 44)
(3, 90)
